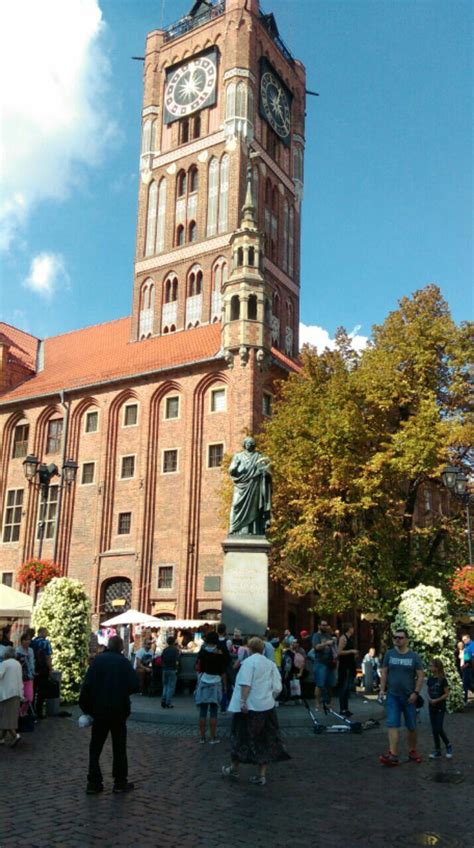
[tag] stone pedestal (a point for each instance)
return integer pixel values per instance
(245, 584)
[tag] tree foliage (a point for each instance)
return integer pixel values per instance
(424, 613)
(64, 608)
(354, 440)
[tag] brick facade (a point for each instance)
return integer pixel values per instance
(169, 514)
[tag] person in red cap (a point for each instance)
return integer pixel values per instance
(305, 640)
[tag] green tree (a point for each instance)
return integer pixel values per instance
(354, 439)
(424, 613)
(65, 610)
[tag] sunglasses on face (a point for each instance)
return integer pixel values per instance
(399, 637)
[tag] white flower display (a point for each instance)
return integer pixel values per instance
(424, 613)
(65, 610)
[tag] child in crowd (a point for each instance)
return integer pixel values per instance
(438, 691)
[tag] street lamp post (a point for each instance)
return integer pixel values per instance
(456, 481)
(40, 475)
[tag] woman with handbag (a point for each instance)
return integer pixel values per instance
(255, 735)
(11, 693)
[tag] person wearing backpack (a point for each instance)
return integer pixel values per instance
(43, 665)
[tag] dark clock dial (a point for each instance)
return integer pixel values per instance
(275, 104)
(190, 87)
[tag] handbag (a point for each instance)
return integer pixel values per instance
(51, 688)
(295, 688)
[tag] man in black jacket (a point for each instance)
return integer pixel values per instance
(105, 695)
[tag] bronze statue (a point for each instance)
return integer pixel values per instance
(251, 503)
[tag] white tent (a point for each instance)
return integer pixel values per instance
(14, 604)
(180, 623)
(132, 616)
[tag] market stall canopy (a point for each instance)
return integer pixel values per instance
(14, 604)
(179, 623)
(132, 616)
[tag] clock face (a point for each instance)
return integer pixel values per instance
(275, 104)
(190, 87)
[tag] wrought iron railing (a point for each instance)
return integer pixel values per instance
(188, 23)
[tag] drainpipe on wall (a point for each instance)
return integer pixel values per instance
(66, 406)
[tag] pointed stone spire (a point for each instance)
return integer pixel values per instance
(248, 209)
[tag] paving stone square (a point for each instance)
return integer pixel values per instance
(333, 793)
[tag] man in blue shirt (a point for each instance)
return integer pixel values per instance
(467, 666)
(43, 666)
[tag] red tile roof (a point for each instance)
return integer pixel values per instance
(104, 353)
(23, 346)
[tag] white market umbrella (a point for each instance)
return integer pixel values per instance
(132, 616)
(14, 604)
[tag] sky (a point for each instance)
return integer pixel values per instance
(388, 166)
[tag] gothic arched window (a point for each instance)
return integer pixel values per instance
(146, 311)
(230, 101)
(181, 184)
(252, 307)
(235, 307)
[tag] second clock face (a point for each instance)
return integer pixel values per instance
(275, 104)
(190, 87)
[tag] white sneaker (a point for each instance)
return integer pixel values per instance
(214, 741)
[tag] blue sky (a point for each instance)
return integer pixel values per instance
(388, 169)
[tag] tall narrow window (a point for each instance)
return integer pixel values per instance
(224, 193)
(48, 507)
(252, 307)
(151, 219)
(193, 179)
(241, 100)
(234, 307)
(146, 136)
(180, 235)
(20, 440)
(219, 277)
(55, 432)
(161, 218)
(12, 516)
(147, 308)
(212, 197)
(230, 101)
(192, 231)
(181, 184)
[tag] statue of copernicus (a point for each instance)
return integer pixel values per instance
(251, 503)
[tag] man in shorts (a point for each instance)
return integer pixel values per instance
(401, 677)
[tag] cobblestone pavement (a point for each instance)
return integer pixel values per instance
(332, 793)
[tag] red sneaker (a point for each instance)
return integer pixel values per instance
(389, 759)
(414, 756)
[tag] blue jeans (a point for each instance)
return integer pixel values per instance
(397, 705)
(169, 685)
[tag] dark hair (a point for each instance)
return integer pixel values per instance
(212, 638)
(347, 625)
(221, 628)
(115, 644)
(170, 640)
(438, 665)
(401, 630)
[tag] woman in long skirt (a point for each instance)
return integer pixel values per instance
(255, 735)
(11, 692)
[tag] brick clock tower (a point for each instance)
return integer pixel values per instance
(165, 394)
(223, 97)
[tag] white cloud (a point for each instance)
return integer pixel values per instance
(53, 102)
(320, 338)
(47, 275)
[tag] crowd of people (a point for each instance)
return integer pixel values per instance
(25, 680)
(248, 678)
